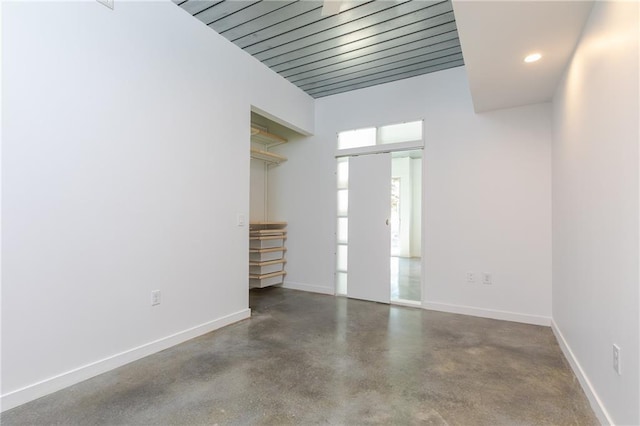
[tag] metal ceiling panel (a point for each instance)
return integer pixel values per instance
(249, 14)
(387, 79)
(367, 43)
(270, 19)
(344, 53)
(353, 31)
(260, 34)
(329, 27)
(389, 40)
(194, 7)
(359, 64)
(220, 10)
(360, 40)
(424, 60)
(384, 71)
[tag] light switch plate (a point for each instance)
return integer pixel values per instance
(155, 297)
(616, 360)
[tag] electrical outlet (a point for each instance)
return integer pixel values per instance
(471, 277)
(486, 278)
(155, 297)
(616, 360)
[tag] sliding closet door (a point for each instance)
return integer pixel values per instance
(369, 235)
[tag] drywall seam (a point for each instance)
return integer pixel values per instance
(61, 381)
(597, 405)
(488, 313)
(308, 287)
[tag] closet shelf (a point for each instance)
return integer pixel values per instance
(268, 233)
(269, 157)
(266, 138)
(263, 276)
(262, 281)
(267, 250)
(267, 225)
(267, 262)
(267, 237)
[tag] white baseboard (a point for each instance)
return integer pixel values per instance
(61, 381)
(308, 287)
(596, 404)
(488, 313)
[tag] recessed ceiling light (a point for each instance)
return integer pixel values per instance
(533, 57)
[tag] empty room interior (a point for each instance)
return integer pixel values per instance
(320, 212)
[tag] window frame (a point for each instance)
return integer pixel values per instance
(380, 147)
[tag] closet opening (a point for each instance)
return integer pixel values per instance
(267, 222)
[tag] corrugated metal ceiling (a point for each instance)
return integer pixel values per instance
(368, 43)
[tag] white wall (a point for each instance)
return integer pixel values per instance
(125, 159)
(487, 204)
(595, 210)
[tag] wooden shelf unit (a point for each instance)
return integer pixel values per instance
(266, 253)
(267, 140)
(266, 156)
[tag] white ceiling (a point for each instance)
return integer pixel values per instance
(497, 35)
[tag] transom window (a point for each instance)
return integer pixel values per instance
(410, 132)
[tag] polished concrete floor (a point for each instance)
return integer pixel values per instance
(307, 359)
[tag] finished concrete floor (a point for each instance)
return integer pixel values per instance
(307, 359)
